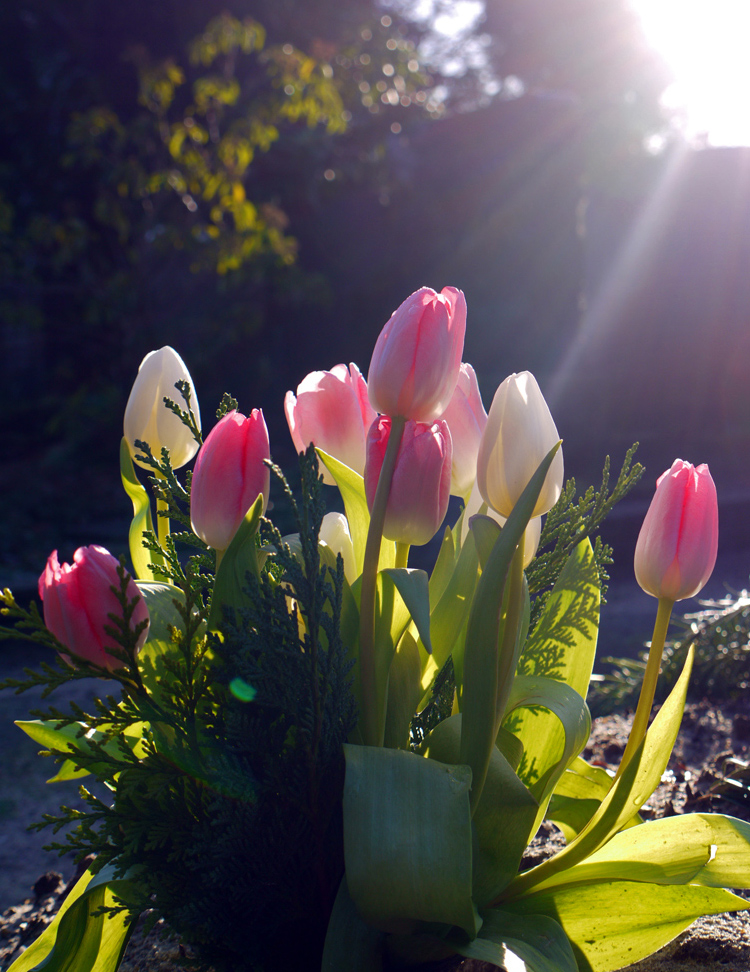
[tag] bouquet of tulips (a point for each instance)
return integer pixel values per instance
(321, 754)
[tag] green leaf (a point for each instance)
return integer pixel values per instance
(404, 692)
(79, 940)
(578, 795)
(502, 820)
(485, 531)
(72, 739)
(350, 942)
(573, 720)
(561, 647)
(413, 586)
(482, 685)
(451, 612)
(352, 488)
(163, 613)
(240, 557)
(697, 848)
(142, 520)
(443, 568)
(536, 941)
(626, 796)
(613, 923)
(407, 839)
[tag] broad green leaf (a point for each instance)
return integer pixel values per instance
(536, 942)
(404, 692)
(443, 568)
(578, 794)
(352, 488)
(627, 795)
(502, 820)
(574, 721)
(350, 942)
(697, 848)
(561, 647)
(484, 680)
(240, 558)
(66, 739)
(160, 599)
(485, 531)
(613, 923)
(79, 940)
(413, 586)
(451, 611)
(142, 519)
(407, 839)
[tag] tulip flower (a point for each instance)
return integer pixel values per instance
(230, 473)
(418, 498)
(676, 549)
(415, 364)
(519, 433)
(78, 600)
(331, 409)
(334, 533)
(466, 419)
(146, 416)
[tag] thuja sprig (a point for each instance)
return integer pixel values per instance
(227, 404)
(186, 415)
(571, 521)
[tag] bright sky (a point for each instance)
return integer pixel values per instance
(707, 45)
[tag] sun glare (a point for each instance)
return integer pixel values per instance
(705, 42)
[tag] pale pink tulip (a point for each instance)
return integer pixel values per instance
(78, 599)
(520, 431)
(418, 499)
(331, 409)
(676, 549)
(466, 419)
(230, 473)
(415, 364)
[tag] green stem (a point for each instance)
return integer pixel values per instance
(219, 558)
(372, 722)
(648, 688)
(402, 554)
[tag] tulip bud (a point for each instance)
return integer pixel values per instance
(519, 433)
(466, 419)
(676, 549)
(418, 499)
(230, 473)
(332, 410)
(334, 533)
(146, 416)
(78, 600)
(414, 366)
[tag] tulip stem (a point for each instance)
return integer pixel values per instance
(372, 721)
(402, 554)
(648, 688)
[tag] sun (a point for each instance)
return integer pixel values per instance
(705, 42)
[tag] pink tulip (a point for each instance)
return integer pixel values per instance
(418, 499)
(230, 473)
(466, 419)
(332, 410)
(415, 364)
(78, 600)
(676, 549)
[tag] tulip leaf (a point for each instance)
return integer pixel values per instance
(164, 615)
(561, 647)
(443, 568)
(450, 613)
(482, 684)
(350, 942)
(142, 520)
(413, 586)
(74, 738)
(626, 796)
(80, 939)
(613, 923)
(404, 691)
(352, 488)
(502, 820)
(485, 531)
(572, 716)
(407, 839)
(240, 557)
(578, 794)
(536, 942)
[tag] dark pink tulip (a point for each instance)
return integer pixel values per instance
(418, 500)
(676, 549)
(415, 364)
(331, 409)
(229, 475)
(78, 600)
